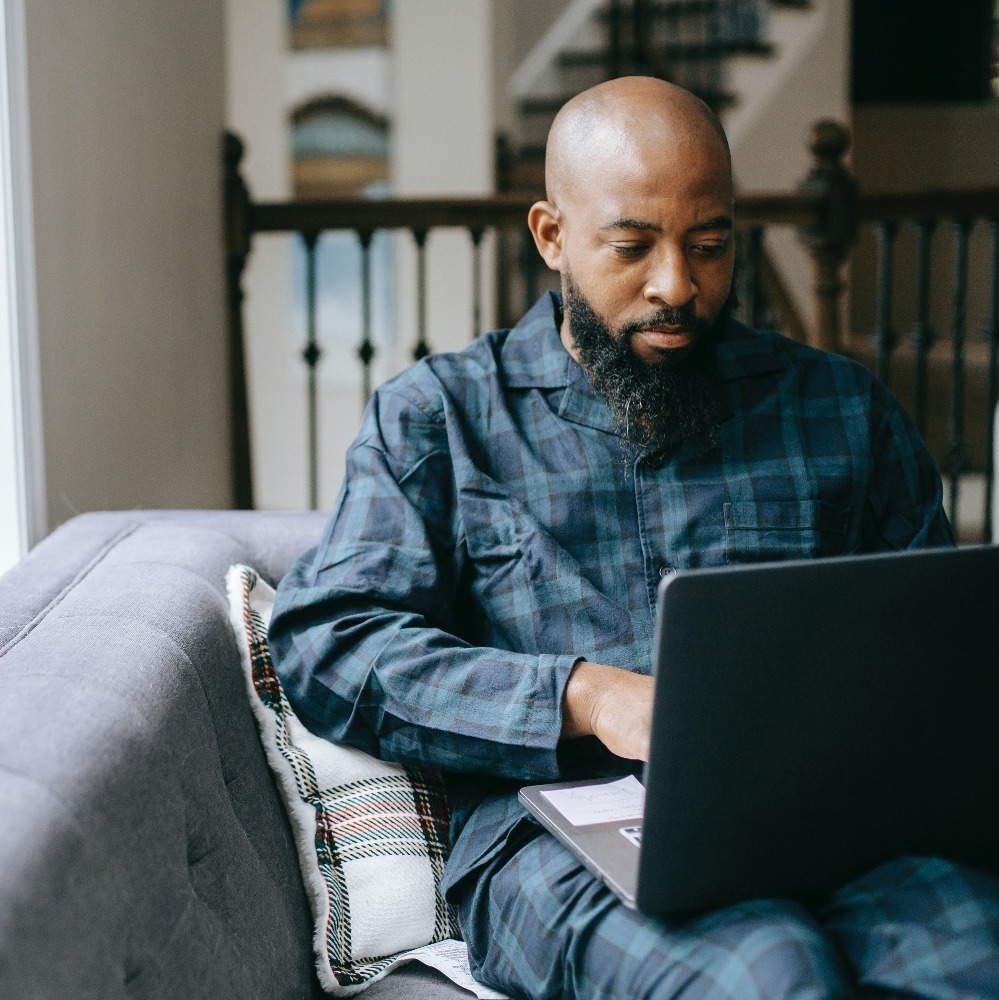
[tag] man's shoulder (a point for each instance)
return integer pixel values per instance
(528, 354)
(448, 375)
(746, 352)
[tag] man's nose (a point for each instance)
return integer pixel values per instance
(670, 282)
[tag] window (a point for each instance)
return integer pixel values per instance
(339, 148)
(21, 493)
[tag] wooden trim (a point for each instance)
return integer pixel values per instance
(968, 204)
(395, 213)
(499, 210)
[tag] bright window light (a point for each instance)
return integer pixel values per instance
(21, 489)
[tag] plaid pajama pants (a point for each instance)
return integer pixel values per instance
(539, 925)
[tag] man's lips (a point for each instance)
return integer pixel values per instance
(672, 334)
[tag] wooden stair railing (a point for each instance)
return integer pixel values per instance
(827, 211)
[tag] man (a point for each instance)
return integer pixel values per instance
(483, 597)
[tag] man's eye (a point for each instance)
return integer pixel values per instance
(629, 249)
(710, 249)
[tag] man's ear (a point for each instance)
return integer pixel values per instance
(545, 222)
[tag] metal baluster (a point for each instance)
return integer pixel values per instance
(422, 349)
(527, 258)
(476, 233)
(922, 336)
(615, 17)
(237, 243)
(311, 354)
(884, 337)
(956, 459)
(366, 349)
(640, 24)
(991, 333)
(753, 306)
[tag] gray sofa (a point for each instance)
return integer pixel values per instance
(144, 851)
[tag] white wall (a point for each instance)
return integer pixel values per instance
(442, 144)
(126, 108)
(779, 99)
(442, 126)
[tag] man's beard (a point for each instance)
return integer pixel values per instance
(653, 405)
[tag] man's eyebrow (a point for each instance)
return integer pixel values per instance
(716, 222)
(641, 224)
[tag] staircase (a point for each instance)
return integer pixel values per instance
(722, 50)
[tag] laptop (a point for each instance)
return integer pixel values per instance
(812, 720)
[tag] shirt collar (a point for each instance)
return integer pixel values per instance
(743, 352)
(533, 356)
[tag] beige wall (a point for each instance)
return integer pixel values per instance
(926, 148)
(126, 110)
(769, 126)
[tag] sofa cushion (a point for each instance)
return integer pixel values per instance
(372, 837)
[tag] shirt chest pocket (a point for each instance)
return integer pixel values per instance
(769, 530)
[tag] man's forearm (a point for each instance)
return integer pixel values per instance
(392, 684)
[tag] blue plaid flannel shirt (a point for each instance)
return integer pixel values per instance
(492, 529)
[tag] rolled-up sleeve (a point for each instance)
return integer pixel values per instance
(369, 631)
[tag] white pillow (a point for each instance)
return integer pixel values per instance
(372, 837)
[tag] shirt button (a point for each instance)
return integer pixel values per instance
(665, 571)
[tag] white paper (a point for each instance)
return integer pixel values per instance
(609, 802)
(451, 958)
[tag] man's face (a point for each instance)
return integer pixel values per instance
(647, 238)
(652, 404)
(645, 249)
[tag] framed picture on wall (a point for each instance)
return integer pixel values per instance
(338, 24)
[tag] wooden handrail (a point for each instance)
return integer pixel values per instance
(365, 215)
(965, 204)
(825, 211)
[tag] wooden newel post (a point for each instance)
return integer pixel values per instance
(237, 208)
(830, 238)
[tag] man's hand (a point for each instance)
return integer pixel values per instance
(612, 704)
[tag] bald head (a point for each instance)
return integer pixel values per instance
(618, 120)
(639, 216)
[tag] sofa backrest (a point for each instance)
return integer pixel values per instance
(143, 848)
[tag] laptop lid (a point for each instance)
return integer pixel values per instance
(816, 719)
(813, 720)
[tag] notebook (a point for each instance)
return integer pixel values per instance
(813, 720)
